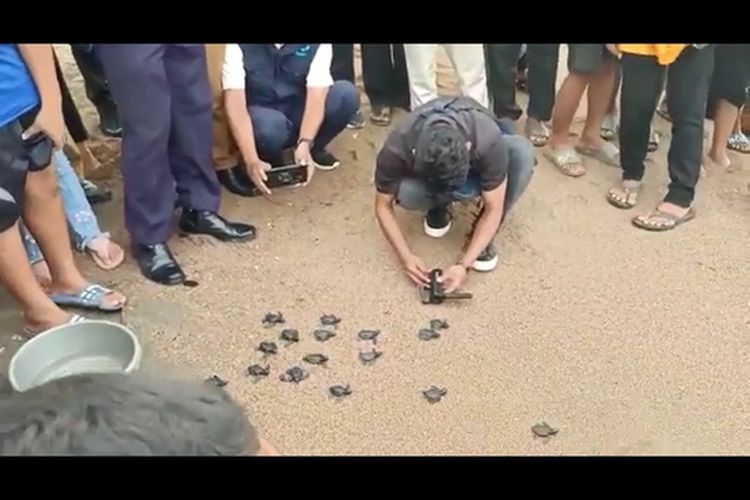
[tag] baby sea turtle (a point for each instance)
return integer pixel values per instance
(369, 356)
(216, 380)
(438, 324)
(339, 391)
(543, 430)
(434, 394)
(290, 336)
(271, 319)
(329, 320)
(268, 348)
(323, 335)
(315, 359)
(428, 334)
(258, 371)
(369, 335)
(294, 374)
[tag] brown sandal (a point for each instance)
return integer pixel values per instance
(659, 220)
(624, 197)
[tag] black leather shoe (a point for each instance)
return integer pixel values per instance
(158, 264)
(236, 181)
(109, 120)
(213, 224)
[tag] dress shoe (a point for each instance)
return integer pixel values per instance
(235, 180)
(109, 120)
(158, 264)
(210, 223)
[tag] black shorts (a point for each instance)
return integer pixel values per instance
(14, 166)
(731, 76)
(587, 57)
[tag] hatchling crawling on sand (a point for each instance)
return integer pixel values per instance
(316, 359)
(434, 394)
(369, 356)
(438, 324)
(258, 371)
(544, 430)
(216, 380)
(339, 391)
(294, 374)
(323, 335)
(329, 320)
(369, 335)
(268, 348)
(271, 319)
(428, 334)
(289, 335)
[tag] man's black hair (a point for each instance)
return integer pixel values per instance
(442, 156)
(115, 414)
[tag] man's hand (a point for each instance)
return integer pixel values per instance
(256, 170)
(303, 157)
(417, 271)
(49, 121)
(453, 277)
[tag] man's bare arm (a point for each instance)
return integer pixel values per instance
(40, 61)
(235, 104)
(312, 118)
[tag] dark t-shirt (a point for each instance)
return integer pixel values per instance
(489, 152)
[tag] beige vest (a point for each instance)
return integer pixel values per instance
(226, 154)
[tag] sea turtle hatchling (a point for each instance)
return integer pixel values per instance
(329, 320)
(294, 374)
(289, 335)
(217, 381)
(316, 359)
(258, 371)
(438, 324)
(323, 335)
(339, 391)
(271, 319)
(369, 335)
(544, 430)
(370, 355)
(435, 394)
(428, 334)
(268, 348)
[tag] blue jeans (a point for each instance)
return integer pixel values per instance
(82, 222)
(413, 194)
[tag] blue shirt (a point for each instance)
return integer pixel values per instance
(18, 92)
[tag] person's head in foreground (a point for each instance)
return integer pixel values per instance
(115, 414)
(442, 156)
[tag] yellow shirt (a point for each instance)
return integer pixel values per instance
(665, 53)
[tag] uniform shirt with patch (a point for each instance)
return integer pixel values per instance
(489, 152)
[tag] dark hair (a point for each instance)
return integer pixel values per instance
(115, 414)
(442, 156)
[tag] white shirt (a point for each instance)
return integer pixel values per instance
(233, 69)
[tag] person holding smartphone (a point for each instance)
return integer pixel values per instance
(279, 96)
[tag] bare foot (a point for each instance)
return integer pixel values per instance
(42, 274)
(105, 253)
(41, 321)
(714, 164)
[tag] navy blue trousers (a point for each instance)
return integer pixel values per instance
(276, 127)
(164, 101)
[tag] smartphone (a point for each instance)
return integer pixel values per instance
(38, 149)
(288, 175)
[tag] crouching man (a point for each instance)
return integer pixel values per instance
(449, 150)
(280, 96)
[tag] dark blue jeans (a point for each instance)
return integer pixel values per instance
(276, 129)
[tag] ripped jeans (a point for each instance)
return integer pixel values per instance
(82, 222)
